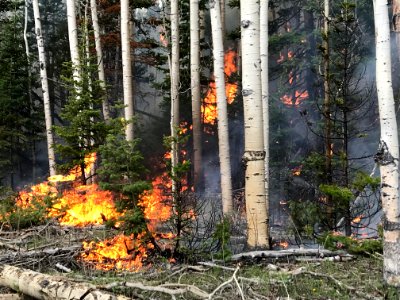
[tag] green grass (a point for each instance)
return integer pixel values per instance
(357, 279)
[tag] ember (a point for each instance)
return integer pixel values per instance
(282, 244)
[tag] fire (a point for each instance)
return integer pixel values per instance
(37, 192)
(282, 244)
(357, 219)
(126, 252)
(296, 98)
(84, 205)
(297, 171)
(74, 174)
(118, 253)
(283, 57)
(299, 97)
(209, 108)
(48, 188)
(153, 203)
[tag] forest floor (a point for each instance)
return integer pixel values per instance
(47, 247)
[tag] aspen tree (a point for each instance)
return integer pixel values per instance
(195, 89)
(223, 130)
(265, 94)
(73, 41)
(388, 152)
(45, 88)
(127, 69)
(256, 209)
(175, 78)
(99, 55)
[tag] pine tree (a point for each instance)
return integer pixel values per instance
(84, 128)
(18, 118)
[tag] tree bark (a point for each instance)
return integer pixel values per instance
(256, 210)
(388, 153)
(222, 6)
(99, 55)
(265, 95)
(45, 287)
(127, 69)
(73, 43)
(45, 88)
(175, 80)
(195, 91)
(223, 129)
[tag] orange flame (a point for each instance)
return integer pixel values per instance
(209, 107)
(125, 252)
(357, 219)
(83, 205)
(297, 170)
(299, 97)
(282, 244)
(119, 253)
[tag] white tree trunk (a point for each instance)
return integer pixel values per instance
(44, 287)
(388, 154)
(256, 210)
(223, 130)
(127, 69)
(45, 88)
(265, 94)
(99, 54)
(175, 79)
(73, 42)
(195, 89)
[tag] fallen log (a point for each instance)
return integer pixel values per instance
(287, 253)
(46, 287)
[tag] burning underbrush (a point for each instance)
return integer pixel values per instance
(64, 199)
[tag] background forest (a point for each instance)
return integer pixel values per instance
(299, 174)
(186, 127)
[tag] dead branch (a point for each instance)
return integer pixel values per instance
(284, 254)
(43, 258)
(175, 289)
(233, 278)
(214, 265)
(337, 258)
(63, 268)
(188, 268)
(45, 287)
(9, 246)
